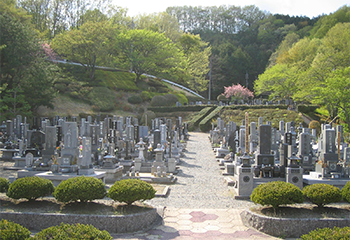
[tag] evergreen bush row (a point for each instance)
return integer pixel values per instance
(205, 124)
(188, 108)
(80, 188)
(199, 117)
(280, 193)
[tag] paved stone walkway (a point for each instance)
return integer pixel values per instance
(200, 205)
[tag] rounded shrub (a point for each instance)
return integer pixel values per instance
(146, 96)
(135, 99)
(131, 190)
(345, 192)
(4, 185)
(10, 230)
(80, 188)
(170, 99)
(158, 101)
(276, 194)
(182, 98)
(222, 98)
(30, 188)
(147, 117)
(72, 231)
(322, 194)
(326, 233)
(315, 125)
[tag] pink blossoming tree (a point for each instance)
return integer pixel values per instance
(238, 92)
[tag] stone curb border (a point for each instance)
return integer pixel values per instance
(113, 224)
(288, 227)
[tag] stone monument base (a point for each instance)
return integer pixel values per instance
(112, 174)
(337, 182)
(57, 178)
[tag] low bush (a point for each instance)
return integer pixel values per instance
(72, 231)
(326, 233)
(276, 194)
(145, 96)
(81, 189)
(30, 188)
(158, 101)
(131, 190)
(135, 99)
(345, 192)
(182, 98)
(10, 230)
(4, 185)
(147, 117)
(102, 98)
(315, 125)
(322, 194)
(171, 99)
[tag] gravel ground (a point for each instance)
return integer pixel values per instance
(200, 184)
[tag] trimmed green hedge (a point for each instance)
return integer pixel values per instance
(80, 188)
(328, 234)
(30, 188)
(10, 231)
(307, 108)
(4, 185)
(322, 194)
(244, 107)
(72, 231)
(276, 194)
(131, 190)
(188, 108)
(199, 117)
(346, 192)
(205, 124)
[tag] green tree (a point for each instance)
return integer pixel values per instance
(278, 80)
(336, 92)
(197, 53)
(88, 45)
(25, 76)
(161, 23)
(149, 52)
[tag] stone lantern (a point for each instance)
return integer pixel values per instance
(293, 161)
(246, 160)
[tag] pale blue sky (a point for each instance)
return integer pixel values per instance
(309, 8)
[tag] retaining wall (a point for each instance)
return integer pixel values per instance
(289, 227)
(111, 223)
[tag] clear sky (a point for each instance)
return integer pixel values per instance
(309, 8)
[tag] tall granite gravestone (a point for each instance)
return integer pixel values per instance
(264, 160)
(50, 144)
(305, 152)
(86, 167)
(69, 152)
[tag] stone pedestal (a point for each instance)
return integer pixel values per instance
(229, 169)
(245, 183)
(137, 164)
(112, 175)
(86, 171)
(295, 176)
(171, 165)
(59, 177)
